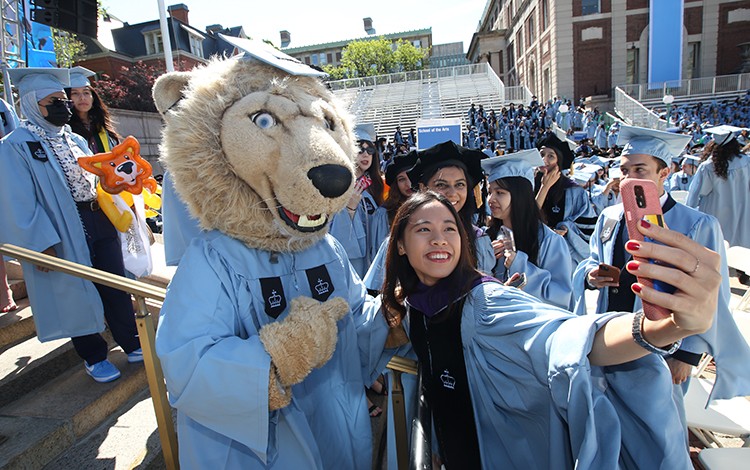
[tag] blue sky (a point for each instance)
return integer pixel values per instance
(311, 22)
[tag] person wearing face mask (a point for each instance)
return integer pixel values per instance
(49, 205)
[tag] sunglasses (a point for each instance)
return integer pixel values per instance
(369, 150)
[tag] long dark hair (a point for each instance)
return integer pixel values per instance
(525, 216)
(377, 188)
(393, 201)
(99, 118)
(400, 277)
(721, 155)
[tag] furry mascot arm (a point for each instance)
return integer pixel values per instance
(304, 340)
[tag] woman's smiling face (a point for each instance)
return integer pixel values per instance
(431, 242)
(451, 183)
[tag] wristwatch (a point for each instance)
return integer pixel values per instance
(641, 341)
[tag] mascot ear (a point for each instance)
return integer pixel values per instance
(168, 90)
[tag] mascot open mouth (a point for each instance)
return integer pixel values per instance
(303, 223)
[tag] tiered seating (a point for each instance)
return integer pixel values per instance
(440, 93)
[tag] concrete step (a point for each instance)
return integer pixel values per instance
(18, 287)
(128, 439)
(18, 325)
(30, 364)
(41, 425)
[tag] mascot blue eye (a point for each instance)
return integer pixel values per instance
(263, 120)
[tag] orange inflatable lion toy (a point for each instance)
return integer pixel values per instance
(122, 171)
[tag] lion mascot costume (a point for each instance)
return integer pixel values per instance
(264, 334)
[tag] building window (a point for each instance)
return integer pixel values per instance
(591, 7)
(530, 31)
(519, 42)
(315, 59)
(154, 44)
(511, 57)
(323, 59)
(338, 57)
(545, 14)
(196, 45)
(694, 60)
(631, 68)
(417, 43)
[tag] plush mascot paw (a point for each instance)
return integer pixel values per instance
(305, 339)
(278, 395)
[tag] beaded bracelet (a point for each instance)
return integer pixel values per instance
(641, 341)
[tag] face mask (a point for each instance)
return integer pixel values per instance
(58, 113)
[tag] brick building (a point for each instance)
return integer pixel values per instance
(144, 42)
(576, 48)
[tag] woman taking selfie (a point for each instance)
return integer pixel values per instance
(527, 247)
(510, 379)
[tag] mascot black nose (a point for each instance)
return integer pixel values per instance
(126, 168)
(331, 180)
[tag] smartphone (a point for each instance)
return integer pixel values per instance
(610, 271)
(365, 181)
(506, 233)
(517, 280)
(640, 199)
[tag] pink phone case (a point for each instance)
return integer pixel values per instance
(641, 200)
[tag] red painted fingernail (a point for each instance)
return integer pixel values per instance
(637, 288)
(633, 265)
(645, 224)
(633, 245)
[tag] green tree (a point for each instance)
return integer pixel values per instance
(369, 57)
(68, 49)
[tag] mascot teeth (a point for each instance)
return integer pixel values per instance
(303, 223)
(311, 221)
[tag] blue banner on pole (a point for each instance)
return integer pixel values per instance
(665, 41)
(431, 132)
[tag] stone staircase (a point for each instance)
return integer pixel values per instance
(52, 415)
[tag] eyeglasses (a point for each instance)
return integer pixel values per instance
(369, 150)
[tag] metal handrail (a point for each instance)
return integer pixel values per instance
(144, 322)
(421, 430)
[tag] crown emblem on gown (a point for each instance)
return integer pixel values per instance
(274, 300)
(448, 380)
(321, 287)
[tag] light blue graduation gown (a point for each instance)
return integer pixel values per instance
(217, 370)
(354, 233)
(539, 403)
(38, 212)
(179, 227)
(577, 204)
(379, 230)
(727, 200)
(600, 200)
(549, 279)
(679, 181)
(723, 340)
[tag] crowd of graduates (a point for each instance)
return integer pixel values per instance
(546, 210)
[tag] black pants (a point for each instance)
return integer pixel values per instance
(106, 254)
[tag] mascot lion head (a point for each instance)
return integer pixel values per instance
(258, 154)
